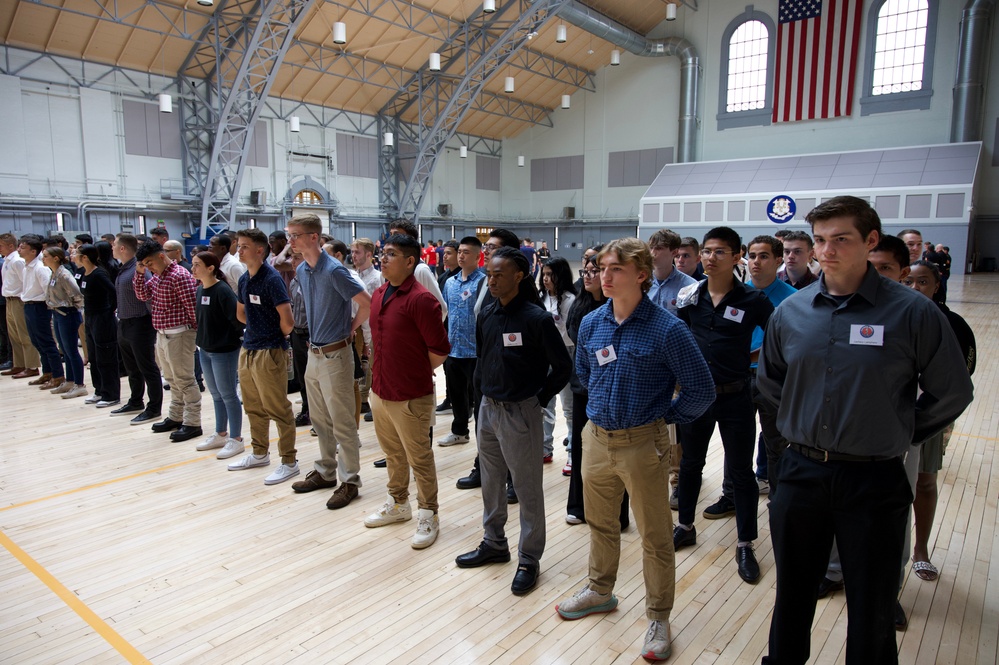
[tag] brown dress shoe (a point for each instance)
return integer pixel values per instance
(342, 496)
(44, 378)
(313, 481)
(12, 371)
(54, 382)
(25, 373)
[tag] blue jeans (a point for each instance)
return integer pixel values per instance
(67, 328)
(38, 318)
(220, 377)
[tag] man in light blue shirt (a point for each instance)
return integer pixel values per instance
(666, 280)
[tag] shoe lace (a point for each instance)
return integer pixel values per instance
(655, 632)
(425, 525)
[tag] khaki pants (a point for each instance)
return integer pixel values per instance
(402, 431)
(24, 353)
(175, 356)
(263, 379)
(329, 379)
(633, 459)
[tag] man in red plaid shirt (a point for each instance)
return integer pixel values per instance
(171, 291)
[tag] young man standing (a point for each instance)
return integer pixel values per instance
(627, 440)
(410, 342)
(221, 245)
(362, 252)
(913, 239)
(25, 357)
(797, 257)
(666, 279)
(522, 364)
(171, 290)
(263, 304)
(449, 262)
(722, 313)
(37, 314)
(838, 357)
(328, 290)
(461, 293)
(688, 258)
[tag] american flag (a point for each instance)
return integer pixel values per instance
(817, 44)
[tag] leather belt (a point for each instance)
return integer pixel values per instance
(329, 348)
(820, 455)
(729, 388)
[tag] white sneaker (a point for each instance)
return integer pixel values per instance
(232, 448)
(214, 441)
(427, 529)
(250, 461)
(584, 602)
(453, 440)
(657, 641)
(282, 473)
(64, 387)
(389, 513)
(77, 391)
(764, 486)
(93, 399)
(105, 403)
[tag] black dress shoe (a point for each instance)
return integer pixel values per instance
(166, 425)
(365, 407)
(684, 537)
(369, 417)
(471, 481)
(511, 495)
(901, 622)
(381, 463)
(201, 386)
(525, 579)
(827, 586)
(186, 433)
(127, 408)
(749, 569)
(482, 555)
(303, 420)
(144, 418)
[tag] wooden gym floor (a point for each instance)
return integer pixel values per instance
(120, 546)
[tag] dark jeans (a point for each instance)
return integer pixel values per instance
(102, 349)
(574, 504)
(458, 374)
(38, 319)
(733, 413)
(137, 344)
(67, 329)
(300, 358)
(862, 504)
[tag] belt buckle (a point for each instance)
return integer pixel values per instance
(825, 454)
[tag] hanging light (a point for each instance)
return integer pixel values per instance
(389, 139)
(206, 3)
(671, 12)
(520, 160)
(166, 103)
(566, 101)
(295, 125)
(435, 62)
(508, 84)
(560, 33)
(463, 151)
(615, 58)
(339, 32)
(488, 6)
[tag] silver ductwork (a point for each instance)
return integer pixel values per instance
(610, 30)
(972, 62)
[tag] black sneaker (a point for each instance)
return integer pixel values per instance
(828, 586)
(303, 420)
(144, 418)
(369, 417)
(444, 407)
(721, 508)
(127, 409)
(365, 407)
(511, 494)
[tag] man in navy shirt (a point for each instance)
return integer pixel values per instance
(264, 306)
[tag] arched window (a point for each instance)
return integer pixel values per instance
(308, 197)
(747, 65)
(899, 69)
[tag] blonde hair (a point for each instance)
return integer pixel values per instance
(365, 244)
(633, 251)
(309, 222)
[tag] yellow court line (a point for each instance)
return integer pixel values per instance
(976, 436)
(130, 653)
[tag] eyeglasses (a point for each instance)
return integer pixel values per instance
(717, 253)
(589, 273)
(296, 236)
(489, 246)
(391, 255)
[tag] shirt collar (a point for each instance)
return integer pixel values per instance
(868, 290)
(641, 313)
(324, 259)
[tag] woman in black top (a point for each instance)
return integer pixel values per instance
(219, 342)
(590, 298)
(99, 303)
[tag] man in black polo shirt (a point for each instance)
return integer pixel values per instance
(722, 313)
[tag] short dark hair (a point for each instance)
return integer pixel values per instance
(780, 235)
(776, 246)
(340, 247)
(158, 231)
(107, 237)
(33, 241)
(800, 236)
(932, 267)
(506, 237)
(453, 244)
(128, 241)
(85, 238)
(408, 245)
(471, 240)
(690, 242)
(256, 236)
(664, 238)
(406, 227)
(147, 249)
(727, 236)
(278, 235)
(224, 240)
(56, 241)
(905, 232)
(896, 247)
(865, 218)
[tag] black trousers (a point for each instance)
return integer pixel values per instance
(864, 505)
(458, 373)
(300, 358)
(137, 345)
(102, 350)
(771, 440)
(574, 504)
(734, 415)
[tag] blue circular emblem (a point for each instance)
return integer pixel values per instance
(781, 209)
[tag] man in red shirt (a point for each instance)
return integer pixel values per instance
(409, 341)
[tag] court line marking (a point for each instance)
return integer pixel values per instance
(119, 643)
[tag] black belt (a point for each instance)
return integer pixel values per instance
(329, 348)
(729, 388)
(820, 455)
(304, 332)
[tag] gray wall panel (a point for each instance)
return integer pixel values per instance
(950, 205)
(887, 206)
(917, 206)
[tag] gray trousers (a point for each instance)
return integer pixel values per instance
(509, 437)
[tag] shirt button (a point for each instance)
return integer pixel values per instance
(825, 427)
(828, 400)
(832, 341)
(829, 370)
